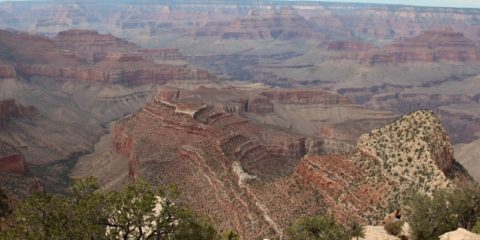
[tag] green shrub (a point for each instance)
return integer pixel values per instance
(444, 211)
(394, 228)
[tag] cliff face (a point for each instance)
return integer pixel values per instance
(10, 110)
(11, 159)
(212, 154)
(228, 166)
(89, 45)
(87, 55)
(189, 139)
(283, 24)
(430, 46)
(306, 97)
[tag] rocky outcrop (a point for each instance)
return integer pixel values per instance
(460, 234)
(188, 138)
(260, 105)
(9, 110)
(417, 139)
(250, 171)
(89, 45)
(11, 159)
(377, 233)
(411, 153)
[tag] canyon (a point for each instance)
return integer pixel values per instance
(259, 112)
(206, 143)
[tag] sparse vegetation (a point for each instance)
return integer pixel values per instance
(230, 234)
(394, 228)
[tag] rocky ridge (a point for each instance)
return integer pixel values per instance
(203, 141)
(412, 153)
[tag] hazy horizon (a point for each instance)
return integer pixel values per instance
(433, 3)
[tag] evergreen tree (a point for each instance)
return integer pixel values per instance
(136, 212)
(444, 211)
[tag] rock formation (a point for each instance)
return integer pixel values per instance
(284, 23)
(460, 234)
(89, 45)
(89, 56)
(11, 159)
(203, 141)
(411, 153)
(443, 45)
(9, 110)
(430, 46)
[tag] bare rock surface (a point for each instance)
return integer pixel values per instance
(460, 234)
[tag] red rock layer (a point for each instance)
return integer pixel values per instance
(345, 191)
(431, 46)
(285, 23)
(91, 46)
(11, 159)
(7, 71)
(259, 101)
(13, 164)
(116, 61)
(299, 96)
(223, 163)
(165, 54)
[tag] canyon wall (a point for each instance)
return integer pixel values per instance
(11, 159)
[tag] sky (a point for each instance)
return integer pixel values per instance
(437, 3)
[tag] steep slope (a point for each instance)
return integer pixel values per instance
(73, 84)
(412, 153)
(240, 171)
